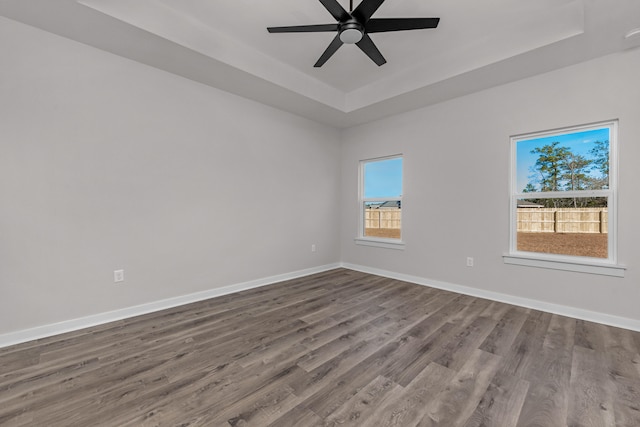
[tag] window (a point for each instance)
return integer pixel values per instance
(381, 202)
(563, 199)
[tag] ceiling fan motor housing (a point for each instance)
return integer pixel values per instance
(354, 27)
(351, 31)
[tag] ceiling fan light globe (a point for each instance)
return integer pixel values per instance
(350, 36)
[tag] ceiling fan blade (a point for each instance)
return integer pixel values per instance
(366, 9)
(304, 28)
(368, 47)
(331, 49)
(336, 10)
(382, 25)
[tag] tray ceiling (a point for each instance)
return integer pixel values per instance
(225, 44)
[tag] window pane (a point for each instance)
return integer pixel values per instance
(383, 219)
(383, 178)
(571, 226)
(564, 162)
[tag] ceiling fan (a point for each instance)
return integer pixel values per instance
(355, 26)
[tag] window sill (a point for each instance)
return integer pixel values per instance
(380, 243)
(590, 268)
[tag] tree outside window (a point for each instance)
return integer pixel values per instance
(563, 196)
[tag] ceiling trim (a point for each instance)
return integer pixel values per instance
(73, 20)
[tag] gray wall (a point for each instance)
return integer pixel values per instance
(456, 158)
(106, 164)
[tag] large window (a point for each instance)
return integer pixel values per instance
(381, 201)
(563, 198)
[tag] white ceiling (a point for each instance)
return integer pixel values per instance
(478, 44)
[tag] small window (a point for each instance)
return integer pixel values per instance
(563, 196)
(381, 199)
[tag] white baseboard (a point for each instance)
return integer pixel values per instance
(563, 310)
(44, 331)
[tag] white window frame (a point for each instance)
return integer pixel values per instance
(606, 266)
(381, 242)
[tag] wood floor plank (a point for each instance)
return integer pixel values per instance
(527, 345)
(318, 356)
(355, 410)
(505, 332)
(590, 335)
(297, 417)
(627, 402)
(497, 310)
(621, 353)
(501, 404)
(378, 291)
(338, 347)
(134, 338)
(592, 393)
(470, 311)
(456, 403)
(429, 347)
(259, 409)
(406, 316)
(333, 371)
(331, 397)
(436, 320)
(547, 401)
(456, 352)
(408, 407)
(309, 340)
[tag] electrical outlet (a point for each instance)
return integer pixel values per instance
(313, 248)
(118, 276)
(469, 261)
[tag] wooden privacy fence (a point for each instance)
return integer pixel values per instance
(382, 218)
(563, 220)
(531, 220)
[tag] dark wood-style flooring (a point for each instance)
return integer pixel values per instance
(336, 348)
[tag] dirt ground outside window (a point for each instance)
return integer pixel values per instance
(388, 233)
(576, 244)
